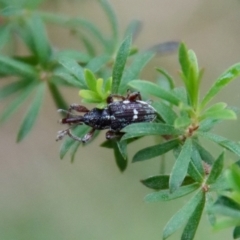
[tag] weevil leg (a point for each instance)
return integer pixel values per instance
(133, 96)
(113, 97)
(113, 135)
(88, 136)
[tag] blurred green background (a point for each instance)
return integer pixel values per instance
(43, 197)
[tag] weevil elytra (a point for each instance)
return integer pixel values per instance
(120, 112)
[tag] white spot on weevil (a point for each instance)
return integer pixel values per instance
(126, 101)
(135, 111)
(135, 117)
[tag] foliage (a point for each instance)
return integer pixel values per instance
(184, 118)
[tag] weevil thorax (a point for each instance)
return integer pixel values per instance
(97, 118)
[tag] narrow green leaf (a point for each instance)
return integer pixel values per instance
(120, 160)
(165, 195)
(224, 142)
(182, 122)
(193, 222)
(236, 232)
(154, 151)
(180, 167)
(89, 95)
(112, 20)
(216, 170)
(4, 34)
(66, 77)
(220, 114)
(207, 124)
(12, 88)
(227, 207)
(73, 54)
(155, 90)
(96, 63)
(167, 76)
(183, 59)
(133, 71)
(210, 214)
(31, 115)
(161, 182)
(142, 129)
(17, 102)
(232, 73)
(15, 67)
(183, 214)
(194, 173)
(119, 64)
(73, 151)
(197, 161)
(90, 79)
(39, 38)
(205, 155)
(122, 147)
(57, 96)
(74, 68)
(133, 29)
(80, 23)
(165, 112)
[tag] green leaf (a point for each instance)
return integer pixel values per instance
(96, 63)
(207, 124)
(182, 122)
(197, 161)
(119, 64)
(112, 20)
(153, 89)
(167, 76)
(17, 102)
(194, 173)
(227, 207)
(32, 113)
(12, 88)
(68, 78)
(73, 54)
(210, 214)
(165, 195)
(161, 182)
(146, 128)
(14, 67)
(165, 112)
(193, 222)
(229, 75)
(68, 142)
(4, 34)
(154, 151)
(89, 95)
(73, 68)
(122, 147)
(205, 155)
(133, 28)
(120, 160)
(183, 214)
(133, 71)
(180, 167)
(73, 151)
(224, 142)
(57, 96)
(220, 114)
(216, 170)
(40, 41)
(90, 79)
(236, 232)
(183, 59)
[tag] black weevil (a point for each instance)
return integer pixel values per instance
(120, 112)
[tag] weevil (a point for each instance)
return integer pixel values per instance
(119, 112)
